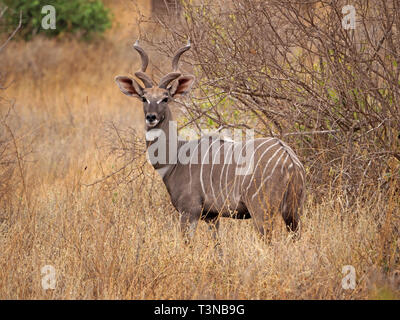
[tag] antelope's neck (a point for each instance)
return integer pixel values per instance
(162, 145)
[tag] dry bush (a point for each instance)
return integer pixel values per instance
(289, 69)
(16, 151)
(15, 146)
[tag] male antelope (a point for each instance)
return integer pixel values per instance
(209, 188)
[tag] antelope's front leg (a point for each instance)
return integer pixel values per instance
(189, 223)
(213, 226)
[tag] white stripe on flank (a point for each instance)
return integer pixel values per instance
(212, 168)
(297, 162)
(252, 156)
(202, 164)
(226, 174)
(284, 162)
(194, 152)
(255, 168)
(236, 195)
(222, 171)
(190, 164)
(272, 172)
(294, 159)
(227, 190)
(276, 163)
(292, 155)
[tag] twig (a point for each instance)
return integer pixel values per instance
(310, 132)
(13, 33)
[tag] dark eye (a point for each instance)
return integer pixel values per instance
(144, 99)
(165, 100)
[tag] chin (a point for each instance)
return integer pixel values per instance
(152, 125)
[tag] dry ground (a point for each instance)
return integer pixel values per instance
(123, 242)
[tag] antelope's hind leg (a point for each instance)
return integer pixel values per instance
(291, 209)
(262, 221)
(291, 216)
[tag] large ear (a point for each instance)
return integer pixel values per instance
(182, 85)
(129, 86)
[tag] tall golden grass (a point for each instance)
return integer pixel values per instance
(123, 242)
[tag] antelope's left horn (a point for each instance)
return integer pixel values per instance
(148, 83)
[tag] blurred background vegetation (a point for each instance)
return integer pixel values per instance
(83, 18)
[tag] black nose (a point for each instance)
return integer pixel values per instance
(151, 117)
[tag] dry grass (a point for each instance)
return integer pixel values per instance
(123, 242)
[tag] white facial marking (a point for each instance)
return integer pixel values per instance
(152, 124)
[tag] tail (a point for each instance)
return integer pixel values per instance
(293, 198)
